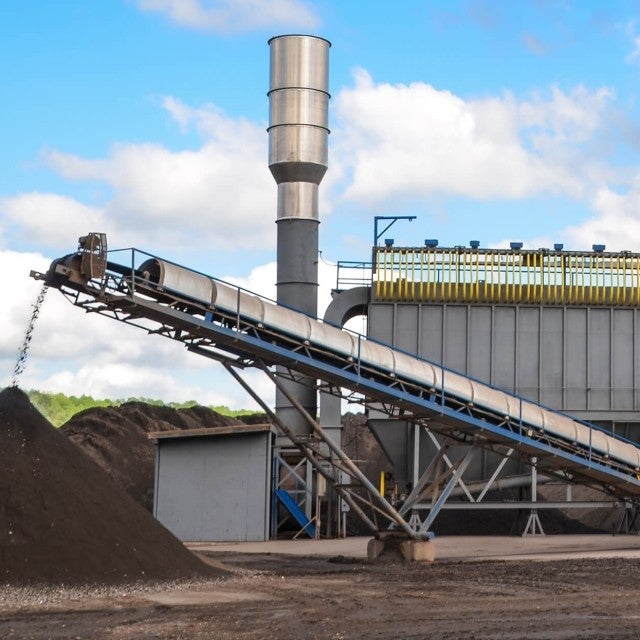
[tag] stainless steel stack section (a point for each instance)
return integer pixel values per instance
(403, 366)
(298, 121)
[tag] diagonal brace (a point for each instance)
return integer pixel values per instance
(455, 476)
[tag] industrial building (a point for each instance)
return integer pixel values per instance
(479, 366)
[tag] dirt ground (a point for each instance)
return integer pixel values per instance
(63, 519)
(291, 597)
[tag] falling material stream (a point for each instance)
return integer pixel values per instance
(24, 349)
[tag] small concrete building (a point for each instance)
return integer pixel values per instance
(214, 484)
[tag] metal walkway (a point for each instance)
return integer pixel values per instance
(121, 292)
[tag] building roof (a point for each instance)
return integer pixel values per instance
(243, 429)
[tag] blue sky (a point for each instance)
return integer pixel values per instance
(489, 120)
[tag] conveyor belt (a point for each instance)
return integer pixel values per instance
(128, 295)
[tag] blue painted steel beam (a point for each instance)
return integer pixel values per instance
(300, 358)
(251, 343)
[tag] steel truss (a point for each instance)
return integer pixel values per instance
(428, 497)
(240, 343)
(294, 480)
(630, 522)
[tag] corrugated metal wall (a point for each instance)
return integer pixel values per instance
(583, 360)
(214, 488)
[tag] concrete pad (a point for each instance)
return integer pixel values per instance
(355, 547)
(559, 547)
(462, 548)
(189, 597)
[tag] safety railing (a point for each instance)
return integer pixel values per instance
(352, 273)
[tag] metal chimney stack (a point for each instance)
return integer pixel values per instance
(298, 141)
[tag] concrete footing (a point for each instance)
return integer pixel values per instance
(397, 546)
(375, 548)
(418, 550)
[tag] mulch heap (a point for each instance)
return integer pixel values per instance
(116, 438)
(63, 520)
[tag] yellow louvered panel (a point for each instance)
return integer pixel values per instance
(506, 277)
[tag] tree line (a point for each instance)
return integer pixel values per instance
(58, 408)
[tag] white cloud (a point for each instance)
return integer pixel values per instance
(124, 379)
(262, 280)
(616, 222)
(195, 199)
(422, 141)
(213, 123)
(19, 293)
(228, 16)
(405, 141)
(564, 118)
(50, 220)
(634, 56)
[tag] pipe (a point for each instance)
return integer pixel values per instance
(511, 482)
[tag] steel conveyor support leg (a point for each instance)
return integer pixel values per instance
(353, 470)
(534, 526)
(303, 449)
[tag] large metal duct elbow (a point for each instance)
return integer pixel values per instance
(298, 142)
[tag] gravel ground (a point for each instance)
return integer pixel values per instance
(291, 597)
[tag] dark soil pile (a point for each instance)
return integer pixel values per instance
(605, 520)
(116, 438)
(62, 520)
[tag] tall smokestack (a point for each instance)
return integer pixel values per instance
(298, 141)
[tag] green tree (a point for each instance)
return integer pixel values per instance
(58, 408)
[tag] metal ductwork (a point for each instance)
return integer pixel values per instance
(298, 141)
